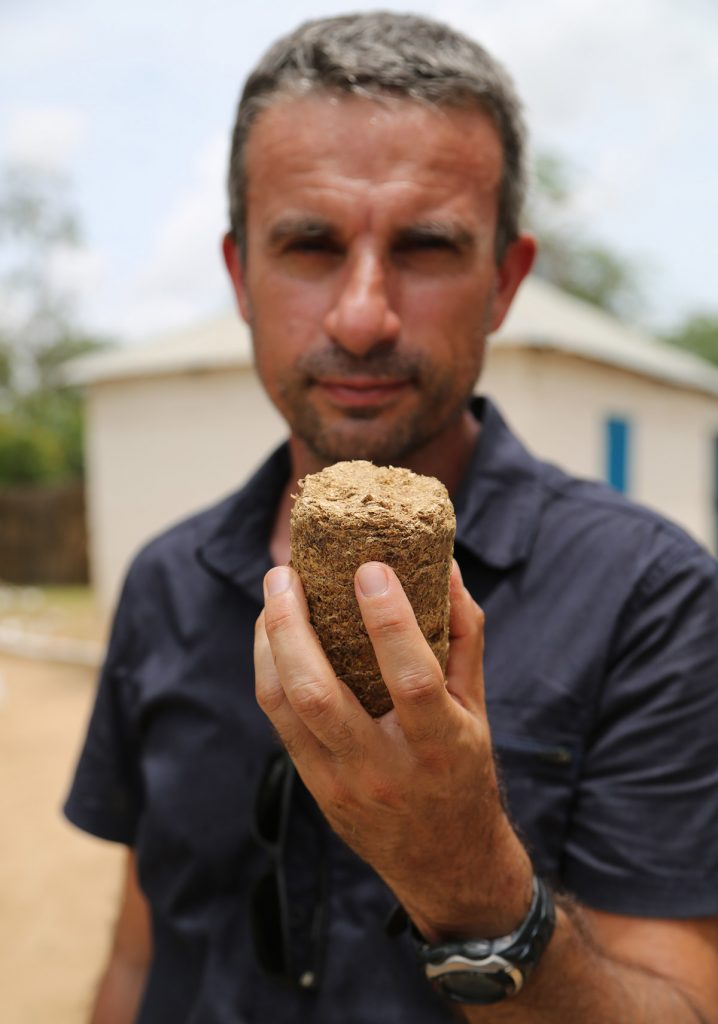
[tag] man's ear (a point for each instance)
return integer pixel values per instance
(235, 269)
(514, 267)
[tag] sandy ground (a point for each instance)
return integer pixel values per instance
(58, 887)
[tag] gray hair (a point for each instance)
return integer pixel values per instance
(385, 53)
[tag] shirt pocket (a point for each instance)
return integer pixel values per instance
(538, 777)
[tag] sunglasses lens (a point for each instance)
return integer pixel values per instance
(267, 931)
(269, 807)
(287, 904)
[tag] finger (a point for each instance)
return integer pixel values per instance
(407, 663)
(272, 699)
(464, 670)
(325, 706)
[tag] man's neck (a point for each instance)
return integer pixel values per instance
(444, 457)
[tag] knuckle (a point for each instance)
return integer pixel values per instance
(269, 698)
(343, 746)
(383, 793)
(311, 698)
(431, 756)
(419, 686)
(277, 621)
(428, 739)
(387, 626)
(340, 802)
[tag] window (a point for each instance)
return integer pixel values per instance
(618, 452)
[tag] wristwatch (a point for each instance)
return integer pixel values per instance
(484, 971)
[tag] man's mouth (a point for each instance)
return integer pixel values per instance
(358, 391)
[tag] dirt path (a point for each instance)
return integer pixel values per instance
(58, 887)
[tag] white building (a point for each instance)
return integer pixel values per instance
(179, 422)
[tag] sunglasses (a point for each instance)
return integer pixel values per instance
(288, 903)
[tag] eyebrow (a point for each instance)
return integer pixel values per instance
(450, 232)
(300, 227)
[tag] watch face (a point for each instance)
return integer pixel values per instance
(475, 987)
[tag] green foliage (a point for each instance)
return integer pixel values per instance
(5, 366)
(56, 414)
(29, 453)
(698, 334)
(41, 419)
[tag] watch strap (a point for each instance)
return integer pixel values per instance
(459, 969)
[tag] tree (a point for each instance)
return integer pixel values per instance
(699, 334)
(567, 256)
(41, 421)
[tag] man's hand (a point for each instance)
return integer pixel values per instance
(414, 793)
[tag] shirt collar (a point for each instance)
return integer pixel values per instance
(497, 508)
(234, 542)
(499, 502)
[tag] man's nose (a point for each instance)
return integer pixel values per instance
(362, 315)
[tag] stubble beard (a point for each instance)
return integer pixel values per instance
(378, 435)
(360, 435)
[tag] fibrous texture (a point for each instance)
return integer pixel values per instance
(355, 512)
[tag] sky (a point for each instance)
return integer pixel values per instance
(133, 104)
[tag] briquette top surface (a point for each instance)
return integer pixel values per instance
(359, 487)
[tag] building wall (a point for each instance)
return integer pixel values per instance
(559, 405)
(161, 448)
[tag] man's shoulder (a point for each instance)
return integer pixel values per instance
(515, 504)
(594, 516)
(586, 498)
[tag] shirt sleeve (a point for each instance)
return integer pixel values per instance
(105, 796)
(644, 836)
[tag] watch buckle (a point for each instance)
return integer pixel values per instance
(492, 964)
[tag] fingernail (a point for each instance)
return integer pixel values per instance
(277, 580)
(372, 579)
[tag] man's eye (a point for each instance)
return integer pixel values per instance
(426, 243)
(320, 245)
(433, 243)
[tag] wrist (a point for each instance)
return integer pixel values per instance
(491, 903)
(483, 971)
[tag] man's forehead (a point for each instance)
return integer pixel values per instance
(366, 135)
(343, 112)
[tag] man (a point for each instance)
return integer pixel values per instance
(375, 188)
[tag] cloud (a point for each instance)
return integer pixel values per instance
(182, 277)
(570, 59)
(45, 137)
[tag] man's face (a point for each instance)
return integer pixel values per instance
(370, 279)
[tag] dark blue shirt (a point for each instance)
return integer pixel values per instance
(602, 691)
